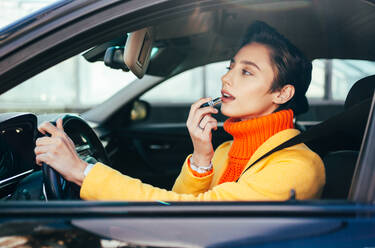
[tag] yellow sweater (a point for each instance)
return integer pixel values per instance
(272, 178)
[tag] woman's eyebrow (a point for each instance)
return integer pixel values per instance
(246, 62)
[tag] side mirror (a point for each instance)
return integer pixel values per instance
(139, 111)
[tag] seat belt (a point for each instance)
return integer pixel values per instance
(342, 122)
(300, 138)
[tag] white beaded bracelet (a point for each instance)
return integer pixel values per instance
(200, 169)
(87, 169)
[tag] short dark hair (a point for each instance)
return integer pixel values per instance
(292, 67)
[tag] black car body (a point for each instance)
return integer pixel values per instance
(188, 34)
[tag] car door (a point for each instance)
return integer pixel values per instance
(247, 224)
(344, 223)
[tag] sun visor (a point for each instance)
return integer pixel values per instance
(138, 51)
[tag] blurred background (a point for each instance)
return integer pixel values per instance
(75, 85)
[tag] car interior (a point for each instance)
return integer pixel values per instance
(150, 142)
(340, 147)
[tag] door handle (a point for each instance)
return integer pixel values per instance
(159, 147)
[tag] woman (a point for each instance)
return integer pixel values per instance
(265, 84)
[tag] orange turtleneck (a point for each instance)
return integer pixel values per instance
(248, 135)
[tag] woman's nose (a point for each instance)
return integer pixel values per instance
(226, 78)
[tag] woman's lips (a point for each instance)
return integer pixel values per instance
(226, 96)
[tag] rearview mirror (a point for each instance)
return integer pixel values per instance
(114, 58)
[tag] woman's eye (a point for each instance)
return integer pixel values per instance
(247, 73)
(228, 68)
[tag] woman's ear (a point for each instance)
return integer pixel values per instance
(285, 94)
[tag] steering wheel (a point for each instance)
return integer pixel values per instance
(55, 186)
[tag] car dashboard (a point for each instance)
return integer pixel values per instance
(20, 177)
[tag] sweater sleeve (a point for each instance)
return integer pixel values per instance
(188, 183)
(273, 181)
(105, 183)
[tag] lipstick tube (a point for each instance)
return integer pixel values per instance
(212, 102)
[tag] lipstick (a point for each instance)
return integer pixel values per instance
(212, 102)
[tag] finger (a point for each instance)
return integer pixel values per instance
(71, 143)
(42, 158)
(47, 127)
(200, 113)
(199, 103)
(196, 105)
(44, 141)
(59, 124)
(211, 125)
(46, 158)
(38, 162)
(205, 120)
(42, 149)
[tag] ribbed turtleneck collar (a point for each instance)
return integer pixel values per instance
(248, 135)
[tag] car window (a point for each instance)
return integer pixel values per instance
(74, 85)
(331, 80)
(345, 73)
(185, 87)
(12, 10)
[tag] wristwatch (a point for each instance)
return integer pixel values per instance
(200, 169)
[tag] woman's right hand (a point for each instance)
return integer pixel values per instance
(200, 124)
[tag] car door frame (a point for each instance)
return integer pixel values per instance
(363, 183)
(17, 63)
(65, 29)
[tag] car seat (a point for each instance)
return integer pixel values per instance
(340, 164)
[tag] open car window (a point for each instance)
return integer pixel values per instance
(331, 82)
(74, 85)
(333, 78)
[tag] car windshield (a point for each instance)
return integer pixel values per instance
(12, 10)
(77, 85)
(74, 85)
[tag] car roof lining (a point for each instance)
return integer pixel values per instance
(215, 35)
(69, 39)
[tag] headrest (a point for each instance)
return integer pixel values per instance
(360, 91)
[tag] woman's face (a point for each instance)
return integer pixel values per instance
(246, 86)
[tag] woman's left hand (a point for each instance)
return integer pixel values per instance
(58, 151)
